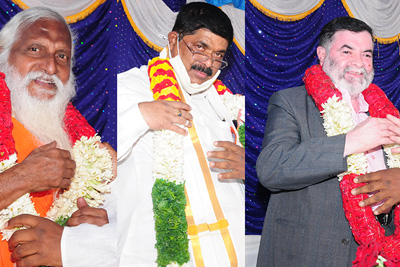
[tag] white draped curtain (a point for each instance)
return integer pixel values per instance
(289, 7)
(154, 19)
(72, 10)
(383, 16)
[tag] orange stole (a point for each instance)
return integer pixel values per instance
(25, 142)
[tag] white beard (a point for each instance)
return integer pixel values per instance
(354, 87)
(43, 118)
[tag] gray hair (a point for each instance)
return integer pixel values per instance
(12, 30)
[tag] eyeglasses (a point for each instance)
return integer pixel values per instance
(201, 57)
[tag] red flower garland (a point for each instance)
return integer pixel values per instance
(7, 144)
(76, 125)
(367, 231)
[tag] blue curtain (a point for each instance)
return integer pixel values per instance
(175, 5)
(134, 52)
(94, 68)
(277, 55)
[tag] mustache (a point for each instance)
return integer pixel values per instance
(33, 75)
(207, 71)
(360, 70)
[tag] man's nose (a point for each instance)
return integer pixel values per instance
(48, 64)
(358, 61)
(208, 63)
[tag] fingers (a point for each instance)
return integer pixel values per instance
(228, 145)
(20, 237)
(229, 175)
(47, 146)
(177, 129)
(33, 260)
(165, 115)
(26, 220)
(99, 221)
(231, 151)
(373, 176)
(393, 119)
(233, 157)
(385, 207)
(89, 215)
(227, 165)
(22, 251)
(180, 105)
(183, 120)
(382, 196)
(384, 186)
(81, 203)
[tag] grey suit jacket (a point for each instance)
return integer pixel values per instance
(305, 224)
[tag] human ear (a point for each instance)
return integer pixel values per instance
(173, 40)
(321, 53)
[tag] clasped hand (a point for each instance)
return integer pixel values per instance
(47, 167)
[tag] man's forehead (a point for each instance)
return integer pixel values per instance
(343, 36)
(46, 29)
(207, 36)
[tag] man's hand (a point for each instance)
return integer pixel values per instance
(38, 245)
(46, 167)
(113, 154)
(386, 182)
(164, 115)
(234, 157)
(368, 134)
(86, 214)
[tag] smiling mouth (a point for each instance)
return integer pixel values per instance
(355, 73)
(45, 83)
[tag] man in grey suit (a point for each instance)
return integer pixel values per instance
(305, 223)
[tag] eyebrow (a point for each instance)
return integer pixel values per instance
(351, 48)
(206, 46)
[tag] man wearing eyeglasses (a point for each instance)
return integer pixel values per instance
(195, 54)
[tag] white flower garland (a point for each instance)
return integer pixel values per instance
(338, 120)
(168, 156)
(235, 104)
(91, 181)
(93, 174)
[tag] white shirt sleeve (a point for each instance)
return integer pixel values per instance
(130, 94)
(89, 245)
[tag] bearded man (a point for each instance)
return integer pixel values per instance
(36, 58)
(305, 224)
(186, 71)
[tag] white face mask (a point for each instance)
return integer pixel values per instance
(183, 76)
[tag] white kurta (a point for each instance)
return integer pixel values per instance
(135, 153)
